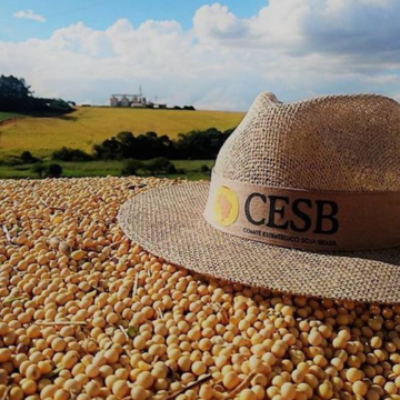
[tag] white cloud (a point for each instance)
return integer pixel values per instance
(29, 14)
(300, 27)
(295, 48)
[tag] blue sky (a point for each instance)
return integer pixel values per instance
(214, 55)
(99, 14)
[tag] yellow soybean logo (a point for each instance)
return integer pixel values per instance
(226, 206)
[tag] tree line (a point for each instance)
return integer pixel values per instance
(194, 145)
(16, 96)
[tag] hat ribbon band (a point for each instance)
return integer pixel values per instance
(305, 219)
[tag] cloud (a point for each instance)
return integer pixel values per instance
(301, 27)
(296, 48)
(29, 14)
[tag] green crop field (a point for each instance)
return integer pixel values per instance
(190, 169)
(4, 116)
(91, 125)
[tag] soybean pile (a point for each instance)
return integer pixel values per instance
(87, 314)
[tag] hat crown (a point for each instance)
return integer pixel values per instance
(338, 143)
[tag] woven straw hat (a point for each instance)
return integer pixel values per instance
(304, 198)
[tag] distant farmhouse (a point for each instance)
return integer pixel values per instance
(139, 101)
(133, 101)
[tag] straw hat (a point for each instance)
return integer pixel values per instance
(304, 198)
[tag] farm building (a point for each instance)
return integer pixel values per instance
(133, 101)
(114, 102)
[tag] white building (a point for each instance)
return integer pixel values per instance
(133, 101)
(125, 102)
(114, 101)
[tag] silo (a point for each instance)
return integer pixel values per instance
(125, 102)
(113, 101)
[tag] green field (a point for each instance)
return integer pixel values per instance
(91, 125)
(104, 168)
(4, 116)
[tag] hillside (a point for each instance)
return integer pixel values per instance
(90, 125)
(4, 116)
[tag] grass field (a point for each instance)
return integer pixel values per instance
(5, 116)
(104, 168)
(91, 125)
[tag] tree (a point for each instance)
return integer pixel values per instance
(15, 94)
(200, 145)
(161, 165)
(51, 170)
(194, 145)
(27, 158)
(54, 170)
(67, 154)
(125, 137)
(110, 149)
(132, 167)
(13, 87)
(39, 169)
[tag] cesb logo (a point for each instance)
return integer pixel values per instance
(226, 206)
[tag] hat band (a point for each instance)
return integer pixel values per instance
(305, 219)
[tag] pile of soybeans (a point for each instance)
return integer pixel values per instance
(86, 314)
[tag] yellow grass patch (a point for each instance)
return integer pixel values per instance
(88, 126)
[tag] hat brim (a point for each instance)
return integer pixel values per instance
(168, 222)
